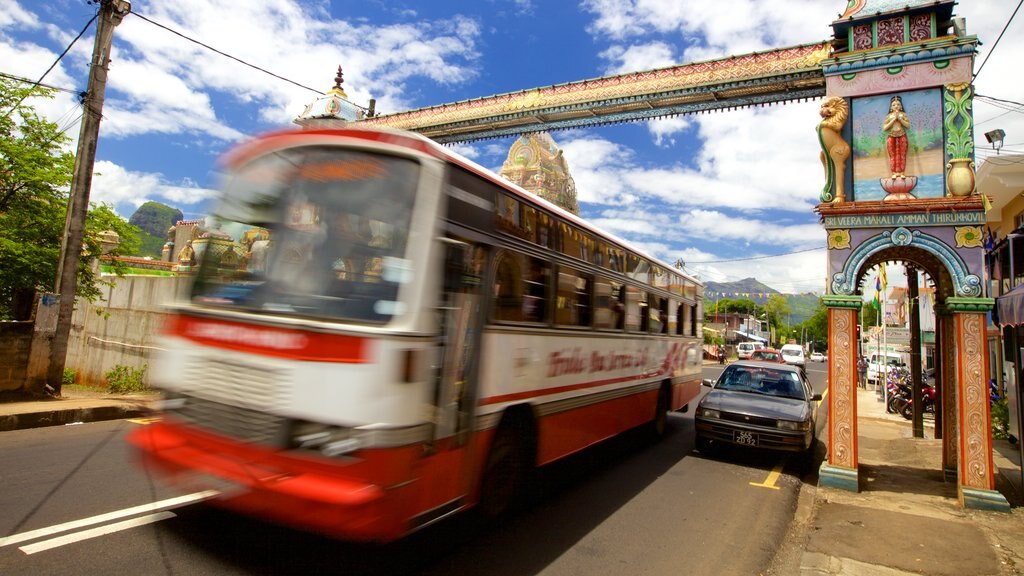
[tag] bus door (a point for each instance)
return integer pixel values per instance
(445, 475)
(460, 329)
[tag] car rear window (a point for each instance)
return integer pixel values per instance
(761, 381)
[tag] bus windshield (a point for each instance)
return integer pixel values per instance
(316, 232)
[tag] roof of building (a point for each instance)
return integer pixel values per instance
(865, 8)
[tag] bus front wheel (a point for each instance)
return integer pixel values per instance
(510, 463)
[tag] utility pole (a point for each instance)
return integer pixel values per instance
(111, 14)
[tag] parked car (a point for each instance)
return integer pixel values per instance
(768, 355)
(760, 405)
(817, 357)
(793, 354)
(745, 349)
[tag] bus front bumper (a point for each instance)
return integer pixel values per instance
(268, 484)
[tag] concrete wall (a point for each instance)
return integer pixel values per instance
(15, 347)
(121, 326)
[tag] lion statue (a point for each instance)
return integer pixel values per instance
(834, 150)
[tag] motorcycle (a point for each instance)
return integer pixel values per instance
(900, 395)
(904, 403)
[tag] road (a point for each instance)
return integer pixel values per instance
(625, 507)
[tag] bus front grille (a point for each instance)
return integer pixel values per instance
(235, 399)
(231, 421)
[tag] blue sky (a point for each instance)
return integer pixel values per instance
(730, 193)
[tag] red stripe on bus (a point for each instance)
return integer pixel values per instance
(270, 341)
(568, 388)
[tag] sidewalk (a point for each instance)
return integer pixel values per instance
(76, 405)
(906, 519)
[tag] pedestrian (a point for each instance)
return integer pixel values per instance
(721, 355)
(862, 369)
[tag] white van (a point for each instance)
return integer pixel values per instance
(745, 349)
(793, 354)
(879, 363)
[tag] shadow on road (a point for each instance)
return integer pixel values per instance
(573, 497)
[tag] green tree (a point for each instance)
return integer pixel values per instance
(777, 311)
(35, 172)
(816, 328)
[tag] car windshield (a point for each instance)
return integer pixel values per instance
(756, 380)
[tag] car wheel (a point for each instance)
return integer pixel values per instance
(706, 446)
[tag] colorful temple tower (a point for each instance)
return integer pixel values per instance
(536, 163)
(898, 155)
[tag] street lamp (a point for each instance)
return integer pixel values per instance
(995, 138)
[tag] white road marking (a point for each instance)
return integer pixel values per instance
(145, 508)
(95, 532)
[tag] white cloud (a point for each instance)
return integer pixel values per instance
(712, 223)
(638, 57)
(161, 83)
(115, 185)
(664, 128)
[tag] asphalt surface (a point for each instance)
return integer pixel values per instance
(906, 519)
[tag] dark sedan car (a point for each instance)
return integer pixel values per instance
(759, 404)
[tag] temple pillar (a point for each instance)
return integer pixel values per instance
(976, 479)
(947, 386)
(840, 467)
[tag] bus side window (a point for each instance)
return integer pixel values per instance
(646, 310)
(607, 306)
(673, 317)
(634, 312)
(535, 298)
(573, 307)
(659, 316)
(508, 288)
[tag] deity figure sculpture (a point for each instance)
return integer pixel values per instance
(187, 256)
(895, 126)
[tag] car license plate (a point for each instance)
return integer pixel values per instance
(745, 438)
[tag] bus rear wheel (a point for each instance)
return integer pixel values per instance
(508, 469)
(659, 425)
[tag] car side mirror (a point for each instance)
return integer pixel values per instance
(707, 382)
(816, 398)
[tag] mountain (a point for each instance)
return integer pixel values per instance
(801, 306)
(154, 218)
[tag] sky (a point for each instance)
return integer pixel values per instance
(730, 193)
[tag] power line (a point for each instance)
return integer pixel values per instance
(993, 49)
(983, 97)
(757, 257)
(59, 58)
(239, 60)
(27, 81)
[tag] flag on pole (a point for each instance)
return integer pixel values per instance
(881, 277)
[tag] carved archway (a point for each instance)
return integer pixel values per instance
(895, 191)
(952, 265)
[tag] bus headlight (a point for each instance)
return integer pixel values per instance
(331, 441)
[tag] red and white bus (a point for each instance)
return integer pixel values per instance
(381, 333)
